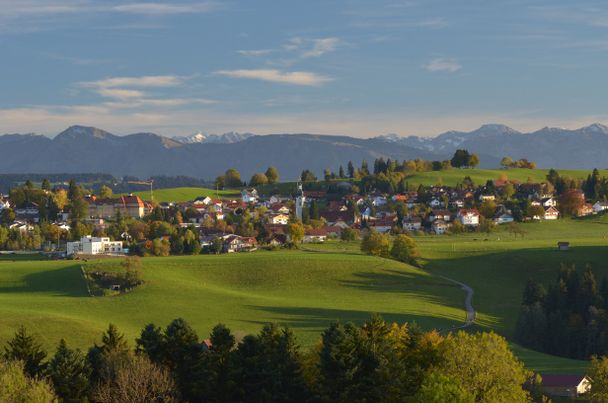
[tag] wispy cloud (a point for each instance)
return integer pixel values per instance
(255, 52)
(443, 65)
(164, 8)
(303, 78)
(128, 92)
(26, 16)
(322, 46)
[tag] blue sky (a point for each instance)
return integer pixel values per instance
(361, 68)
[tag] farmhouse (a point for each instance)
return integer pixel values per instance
(469, 217)
(280, 218)
(89, 245)
(565, 385)
(440, 227)
(551, 213)
(315, 235)
(585, 210)
(235, 243)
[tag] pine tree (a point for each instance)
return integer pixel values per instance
(351, 169)
(25, 347)
(69, 371)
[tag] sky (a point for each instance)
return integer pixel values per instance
(353, 67)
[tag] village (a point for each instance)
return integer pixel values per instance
(121, 224)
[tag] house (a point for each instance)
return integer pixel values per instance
(469, 217)
(379, 201)
(384, 224)
(277, 240)
(315, 235)
(440, 227)
(597, 207)
(457, 204)
(28, 212)
(340, 217)
(249, 195)
(236, 243)
(278, 219)
(444, 215)
(4, 203)
(585, 210)
(548, 202)
(486, 197)
(89, 245)
(565, 385)
(563, 246)
(21, 226)
(411, 223)
(551, 213)
(435, 202)
(503, 215)
(131, 206)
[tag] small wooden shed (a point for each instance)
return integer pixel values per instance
(563, 245)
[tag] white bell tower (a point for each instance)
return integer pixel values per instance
(300, 199)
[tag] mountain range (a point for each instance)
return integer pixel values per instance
(80, 149)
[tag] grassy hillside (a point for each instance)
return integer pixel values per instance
(481, 176)
(497, 266)
(303, 290)
(186, 194)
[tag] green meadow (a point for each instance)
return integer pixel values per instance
(186, 194)
(307, 289)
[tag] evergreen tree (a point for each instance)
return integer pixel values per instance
(69, 372)
(26, 348)
(351, 170)
(46, 185)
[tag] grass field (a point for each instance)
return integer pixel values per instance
(186, 194)
(307, 289)
(481, 176)
(303, 290)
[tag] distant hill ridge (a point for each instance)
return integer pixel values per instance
(89, 149)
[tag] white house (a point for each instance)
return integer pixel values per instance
(503, 218)
(249, 195)
(440, 227)
(469, 217)
(597, 207)
(551, 213)
(89, 245)
(435, 202)
(4, 203)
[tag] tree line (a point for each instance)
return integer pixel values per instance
(568, 318)
(375, 362)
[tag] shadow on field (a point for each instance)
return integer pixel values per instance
(307, 317)
(65, 281)
(397, 281)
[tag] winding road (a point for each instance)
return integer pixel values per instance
(468, 304)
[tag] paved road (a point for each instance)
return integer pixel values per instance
(468, 304)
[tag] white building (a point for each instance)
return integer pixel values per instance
(300, 200)
(469, 217)
(249, 195)
(89, 245)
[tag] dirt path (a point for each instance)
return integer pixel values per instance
(468, 304)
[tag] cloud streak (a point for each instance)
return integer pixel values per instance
(302, 78)
(443, 65)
